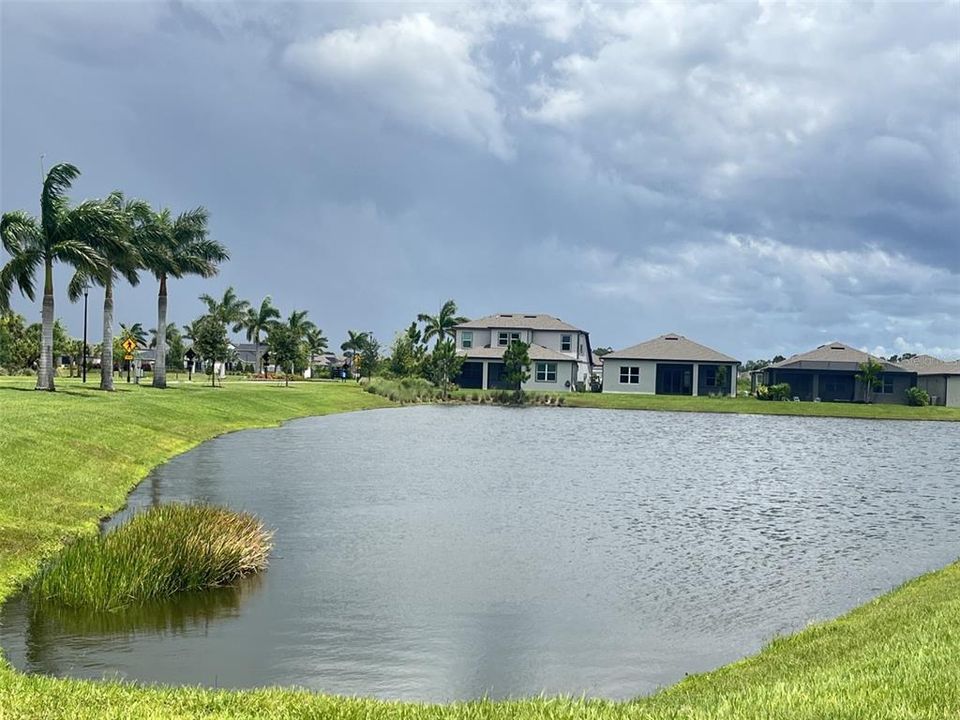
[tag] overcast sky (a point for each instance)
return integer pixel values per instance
(761, 178)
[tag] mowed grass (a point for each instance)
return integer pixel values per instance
(752, 406)
(76, 453)
(159, 552)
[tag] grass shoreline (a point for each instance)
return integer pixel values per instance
(82, 451)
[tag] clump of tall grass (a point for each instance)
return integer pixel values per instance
(160, 552)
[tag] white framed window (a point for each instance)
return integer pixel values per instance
(629, 374)
(566, 342)
(546, 372)
(885, 386)
(507, 337)
(466, 339)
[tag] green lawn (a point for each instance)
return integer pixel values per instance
(750, 405)
(68, 458)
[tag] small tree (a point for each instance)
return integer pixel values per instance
(210, 342)
(869, 376)
(369, 356)
(406, 355)
(443, 364)
(286, 348)
(516, 367)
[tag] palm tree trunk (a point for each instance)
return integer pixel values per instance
(45, 367)
(160, 361)
(256, 352)
(106, 346)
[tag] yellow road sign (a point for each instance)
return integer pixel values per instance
(129, 345)
(128, 356)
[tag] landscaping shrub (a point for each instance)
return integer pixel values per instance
(780, 391)
(918, 397)
(160, 552)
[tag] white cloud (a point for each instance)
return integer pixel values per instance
(421, 72)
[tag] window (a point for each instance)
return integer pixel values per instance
(630, 375)
(709, 376)
(504, 337)
(565, 343)
(546, 372)
(466, 339)
(885, 385)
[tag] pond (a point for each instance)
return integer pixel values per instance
(444, 553)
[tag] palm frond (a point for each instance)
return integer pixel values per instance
(82, 279)
(53, 199)
(20, 271)
(18, 231)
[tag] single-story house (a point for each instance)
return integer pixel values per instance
(670, 365)
(560, 353)
(828, 373)
(940, 378)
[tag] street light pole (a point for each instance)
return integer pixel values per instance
(86, 289)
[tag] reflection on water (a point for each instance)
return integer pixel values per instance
(441, 553)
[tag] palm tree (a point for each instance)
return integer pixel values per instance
(63, 234)
(257, 321)
(315, 341)
(122, 256)
(355, 341)
(441, 326)
(170, 331)
(134, 332)
(179, 247)
(230, 309)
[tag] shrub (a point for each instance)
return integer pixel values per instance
(918, 397)
(780, 391)
(160, 552)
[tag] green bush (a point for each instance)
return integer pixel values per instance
(918, 397)
(160, 552)
(780, 391)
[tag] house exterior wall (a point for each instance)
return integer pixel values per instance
(648, 376)
(936, 387)
(901, 381)
(953, 391)
(807, 384)
(480, 338)
(566, 372)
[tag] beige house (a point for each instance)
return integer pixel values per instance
(559, 352)
(941, 379)
(670, 365)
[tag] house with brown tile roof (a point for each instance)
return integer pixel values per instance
(670, 364)
(828, 373)
(940, 378)
(560, 353)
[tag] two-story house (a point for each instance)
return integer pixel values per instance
(560, 354)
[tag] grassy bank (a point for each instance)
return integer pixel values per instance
(411, 391)
(69, 458)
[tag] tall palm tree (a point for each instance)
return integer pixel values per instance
(258, 320)
(230, 309)
(62, 234)
(179, 247)
(122, 255)
(355, 341)
(315, 341)
(441, 326)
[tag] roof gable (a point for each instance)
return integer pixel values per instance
(671, 346)
(836, 352)
(518, 321)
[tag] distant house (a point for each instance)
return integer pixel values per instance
(560, 354)
(828, 373)
(670, 365)
(940, 378)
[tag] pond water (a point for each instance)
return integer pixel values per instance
(442, 553)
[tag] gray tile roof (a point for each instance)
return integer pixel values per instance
(519, 321)
(836, 352)
(671, 347)
(929, 365)
(535, 352)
